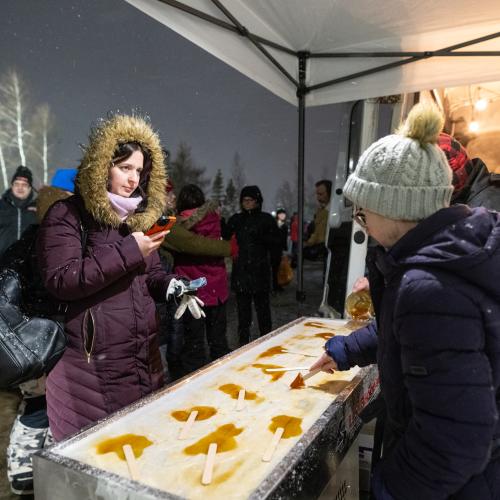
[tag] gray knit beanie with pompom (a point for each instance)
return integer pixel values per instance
(404, 176)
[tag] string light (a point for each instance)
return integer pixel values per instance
(474, 126)
(481, 104)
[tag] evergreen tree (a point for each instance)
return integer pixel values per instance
(184, 170)
(230, 200)
(218, 187)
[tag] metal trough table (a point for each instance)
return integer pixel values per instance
(325, 415)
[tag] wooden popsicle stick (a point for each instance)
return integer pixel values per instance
(311, 373)
(288, 351)
(131, 462)
(184, 434)
(268, 454)
(289, 369)
(209, 464)
(241, 400)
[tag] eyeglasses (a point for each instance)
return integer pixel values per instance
(359, 216)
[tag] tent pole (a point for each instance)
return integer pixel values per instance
(301, 96)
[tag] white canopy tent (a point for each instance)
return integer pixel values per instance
(322, 27)
(327, 51)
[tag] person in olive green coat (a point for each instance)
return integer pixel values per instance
(182, 240)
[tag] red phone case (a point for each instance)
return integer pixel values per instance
(158, 226)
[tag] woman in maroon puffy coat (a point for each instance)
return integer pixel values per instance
(94, 256)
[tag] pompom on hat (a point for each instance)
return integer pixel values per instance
(404, 176)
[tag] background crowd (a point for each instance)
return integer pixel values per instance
(79, 249)
(132, 318)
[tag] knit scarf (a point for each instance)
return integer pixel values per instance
(123, 206)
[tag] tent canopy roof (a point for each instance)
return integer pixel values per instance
(329, 26)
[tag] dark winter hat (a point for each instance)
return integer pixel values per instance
(23, 173)
(251, 192)
(458, 160)
(64, 179)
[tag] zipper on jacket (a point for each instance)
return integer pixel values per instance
(18, 224)
(88, 333)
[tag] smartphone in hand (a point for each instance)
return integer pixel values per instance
(193, 285)
(164, 223)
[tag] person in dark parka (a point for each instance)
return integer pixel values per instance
(29, 432)
(482, 188)
(434, 283)
(112, 357)
(474, 184)
(17, 208)
(258, 239)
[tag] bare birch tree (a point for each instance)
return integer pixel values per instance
(42, 127)
(3, 165)
(13, 103)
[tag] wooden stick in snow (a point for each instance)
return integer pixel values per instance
(209, 464)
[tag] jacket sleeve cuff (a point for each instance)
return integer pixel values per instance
(335, 347)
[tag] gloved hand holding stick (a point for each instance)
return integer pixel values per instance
(185, 290)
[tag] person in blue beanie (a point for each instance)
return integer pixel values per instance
(434, 281)
(64, 178)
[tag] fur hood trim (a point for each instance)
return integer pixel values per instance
(92, 177)
(47, 196)
(209, 206)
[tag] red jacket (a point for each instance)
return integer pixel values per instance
(205, 221)
(294, 229)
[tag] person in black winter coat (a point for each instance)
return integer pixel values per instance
(17, 208)
(473, 183)
(258, 239)
(29, 432)
(483, 187)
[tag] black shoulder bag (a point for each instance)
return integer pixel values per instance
(29, 347)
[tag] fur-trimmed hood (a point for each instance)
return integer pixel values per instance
(47, 196)
(200, 213)
(92, 177)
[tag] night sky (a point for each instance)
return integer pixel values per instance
(86, 57)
